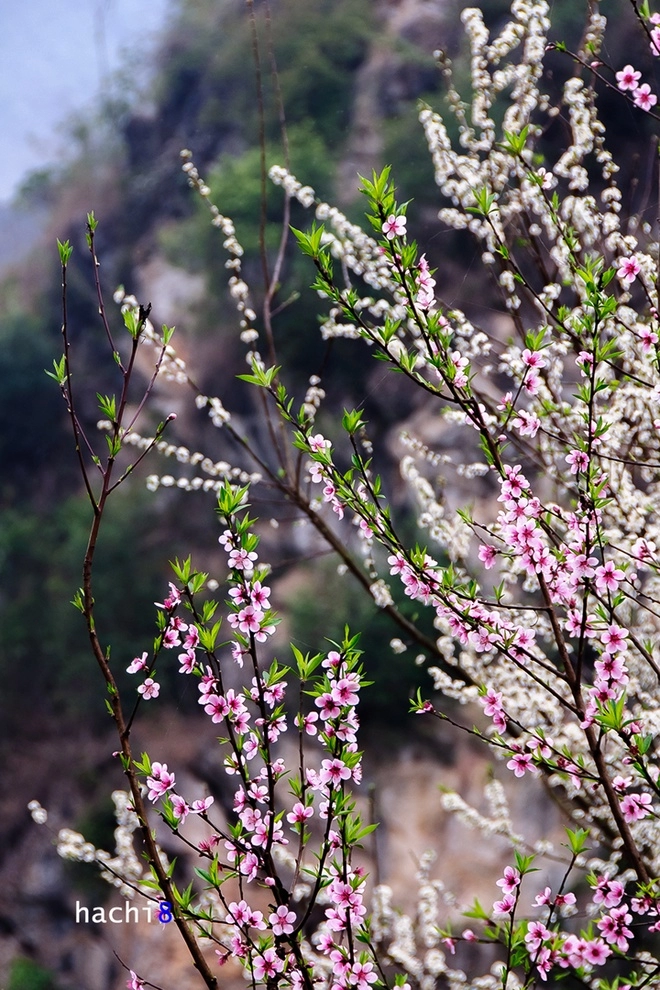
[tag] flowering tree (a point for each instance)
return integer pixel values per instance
(545, 602)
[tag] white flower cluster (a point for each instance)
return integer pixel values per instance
(38, 814)
(292, 187)
(124, 870)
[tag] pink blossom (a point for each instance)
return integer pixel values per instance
(425, 295)
(492, 702)
(510, 881)
(171, 638)
(242, 560)
(299, 813)
(580, 565)
(248, 619)
(595, 952)
(487, 555)
(613, 927)
(318, 443)
(544, 898)
(160, 781)
(134, 982)
(526, 423)
(629, 269)
(655, 38)
(328, 705)
(333, 660)
(191, 638)
(578, 461)
(226, 540)
(608, 577)
(150, 689)
(648, 337)
(572, 952)
(548, 180)
(621, 784)
(609, 893)
(259, 792)
(614, 638)
(521, 763)
(537, 933)
(282, 921)
(506, 905)
(611, 669)
(241, 914)
(216, 707)
(363, 974)
(172, 599)
(532, 359)
(394, 227)
(636, 806)
(187, 661)
(333, 772)
(306, 722)
(180, 808)
(532, 383)
(138, 664)
(644, 99)
(259, 596)
(267, 965)
(628, 78)
(344, 691)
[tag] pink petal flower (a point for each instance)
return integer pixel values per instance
(628, 78)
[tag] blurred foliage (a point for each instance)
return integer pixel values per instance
(208, 71)
(34, 435)
(41, 557)
(24, 974)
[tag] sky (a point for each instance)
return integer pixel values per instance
(56, 56)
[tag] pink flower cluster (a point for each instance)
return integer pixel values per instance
(335, 725)
(253, 719)
(160, 781)
(628, 81)
(425, 285)
(548, 946)
(319, 471)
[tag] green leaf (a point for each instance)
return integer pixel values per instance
(486, 203)
(108, 406)
(65, 251)
(476, 911)
(352, 421)
(208, 637)
(577, 839)
(515, 143)
(59, 372)
(143, 765)
(310, 243)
